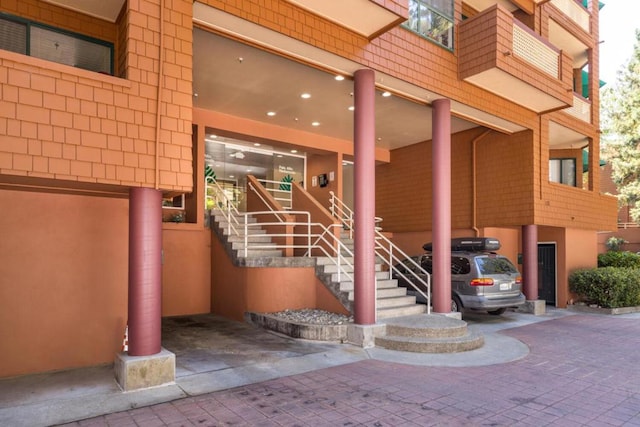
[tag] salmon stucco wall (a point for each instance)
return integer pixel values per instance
(63, 280)
(186, 270)
(236, 290)
(575, 249)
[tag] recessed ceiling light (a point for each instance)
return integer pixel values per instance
(256, 144)
(339, 78)
(279, 155)
(195, 95)
(294, 151)
(271, 113)
(213, 136)
(315, 123)
(379, 138)
(386, 94)
(232, 176)
(351, 108)
(249, 170)
(305, 95)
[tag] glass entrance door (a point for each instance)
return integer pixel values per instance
(228, 161)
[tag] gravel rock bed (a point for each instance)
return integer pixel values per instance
(313, 317)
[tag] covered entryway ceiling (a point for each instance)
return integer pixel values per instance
(272, 78)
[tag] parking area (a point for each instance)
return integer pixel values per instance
(576, 369)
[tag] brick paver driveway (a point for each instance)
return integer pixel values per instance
(581, 370)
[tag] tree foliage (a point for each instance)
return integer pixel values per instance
(620, 111)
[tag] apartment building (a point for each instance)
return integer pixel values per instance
(442, 118)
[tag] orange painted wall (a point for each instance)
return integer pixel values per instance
(63, 280)
(323, 164)
(186, 270)
(236, 290)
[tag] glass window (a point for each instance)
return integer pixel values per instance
(52, 44)
(495, 265)
(228, 161)
(432, 19)
(563, 171)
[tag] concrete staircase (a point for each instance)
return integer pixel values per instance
(391, 301)
(406, 326)
(432, 333)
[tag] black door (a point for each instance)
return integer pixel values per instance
(547, 273)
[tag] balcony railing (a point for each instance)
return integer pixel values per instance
(575, 11)
(535, 51)
(581, 109)
(502, 55)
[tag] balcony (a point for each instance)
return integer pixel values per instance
(501, 55)
(511, 5)
(369, 18)
(581, 109)
(575, 11)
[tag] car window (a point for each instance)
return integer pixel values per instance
(408, 265)
(427, 264)
(495, 265)
(460, 265)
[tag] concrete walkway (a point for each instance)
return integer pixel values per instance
(561, 369)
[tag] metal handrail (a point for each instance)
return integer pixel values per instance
(323, 239)
(387, 251)
(393, 255)
(277, 191)
(264, 202)
(228, 208)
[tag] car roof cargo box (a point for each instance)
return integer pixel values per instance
(471, 244)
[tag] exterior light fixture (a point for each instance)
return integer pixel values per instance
(386, 94)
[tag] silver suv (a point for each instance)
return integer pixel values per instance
(480, 278)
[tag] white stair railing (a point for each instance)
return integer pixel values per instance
(390, 254)
(281, 191)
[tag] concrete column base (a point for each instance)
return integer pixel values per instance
(536, 307)
(140, 372)
(365, 335)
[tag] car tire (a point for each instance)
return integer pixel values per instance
(456, 305)
(497, 312)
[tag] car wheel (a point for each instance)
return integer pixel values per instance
(456, 305)
(498, 312)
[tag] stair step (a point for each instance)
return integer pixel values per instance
(395, 301)
(426, 326)
(390, 292)
(471, 341)
(347, 286)
(333, 268)
(259, 253)
(237, 246)
(406, 310)
(380, 275)
(252, 238)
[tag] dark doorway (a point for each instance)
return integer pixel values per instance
(547, 272)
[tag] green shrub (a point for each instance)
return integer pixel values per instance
(609, 287)
(623, 259)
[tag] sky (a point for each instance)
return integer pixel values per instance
(618, 22)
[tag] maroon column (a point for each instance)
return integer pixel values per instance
(365, 197)
(441, 205)
(530, 261)
(145, 271)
